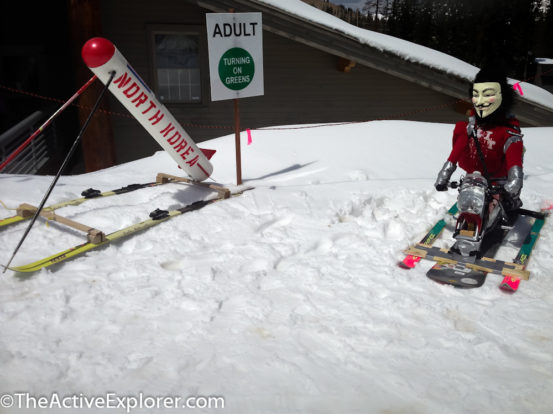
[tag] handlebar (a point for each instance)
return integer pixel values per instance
(492, 188)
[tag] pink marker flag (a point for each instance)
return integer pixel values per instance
(249, 136)
(518, 88)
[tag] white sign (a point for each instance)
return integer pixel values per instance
(235, 43)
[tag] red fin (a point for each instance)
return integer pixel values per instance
(208, 152)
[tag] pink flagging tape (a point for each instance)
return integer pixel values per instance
(510, 283)
(411, 261)
(547, 205)
(249, 131)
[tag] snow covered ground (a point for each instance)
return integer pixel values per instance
(286, 299)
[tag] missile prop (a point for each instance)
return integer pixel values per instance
(102, 57)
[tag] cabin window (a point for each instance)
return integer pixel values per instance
(177, 66)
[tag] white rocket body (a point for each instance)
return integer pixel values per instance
(102, 57)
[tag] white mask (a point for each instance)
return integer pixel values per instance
(486, 98)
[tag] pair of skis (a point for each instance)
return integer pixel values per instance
(86, 195)
(410, 261)
(474, 270)
(156, 217)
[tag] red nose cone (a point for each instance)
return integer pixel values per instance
(97, 51)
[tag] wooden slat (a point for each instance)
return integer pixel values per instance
(93, 235)
(223, 191)
(484, 264)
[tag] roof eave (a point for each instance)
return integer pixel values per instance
(340, 44)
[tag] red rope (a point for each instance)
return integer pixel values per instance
(229, 127)
(47, 98)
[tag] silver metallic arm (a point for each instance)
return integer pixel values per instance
(514, 181)
(444, 175)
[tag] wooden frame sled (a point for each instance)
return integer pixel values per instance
(96, 236)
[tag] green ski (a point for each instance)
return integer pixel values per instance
(463, 269)
(510, 283)
(411, 261)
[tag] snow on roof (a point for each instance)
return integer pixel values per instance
(406, 50)
(544, 61)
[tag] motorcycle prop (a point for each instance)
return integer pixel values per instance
(481, 213)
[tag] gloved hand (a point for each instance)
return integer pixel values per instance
(444, 175)
(514, 181)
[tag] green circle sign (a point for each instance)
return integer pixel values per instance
(236, 68)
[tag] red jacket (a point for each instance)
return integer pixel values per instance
(501, 145)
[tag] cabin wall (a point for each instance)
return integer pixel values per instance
(302, 84)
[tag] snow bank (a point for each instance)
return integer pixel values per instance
(286, 299)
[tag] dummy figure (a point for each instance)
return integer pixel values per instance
(491, 142)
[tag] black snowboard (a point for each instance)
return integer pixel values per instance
(457, 275)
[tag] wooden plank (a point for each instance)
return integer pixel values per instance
(484, 264)
(164, 178)
(93, 235)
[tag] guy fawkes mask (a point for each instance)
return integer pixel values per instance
(486, 98)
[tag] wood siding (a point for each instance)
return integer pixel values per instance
(302, 84)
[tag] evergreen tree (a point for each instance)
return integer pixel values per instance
(378, 12)
(548, 30)
(479, 32)
(402, 20)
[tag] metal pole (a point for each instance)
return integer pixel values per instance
(64, 164)
(14, 154)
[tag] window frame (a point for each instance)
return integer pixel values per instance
(197, 30)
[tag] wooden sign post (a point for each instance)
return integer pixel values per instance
(235, 43)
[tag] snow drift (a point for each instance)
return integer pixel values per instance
(286, 299)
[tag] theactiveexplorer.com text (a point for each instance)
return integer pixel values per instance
(108, 400)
